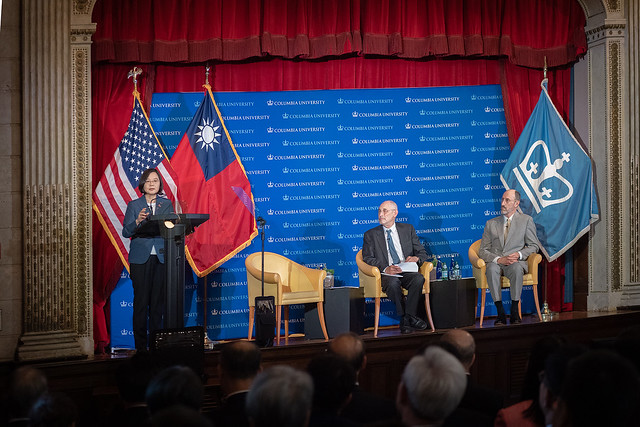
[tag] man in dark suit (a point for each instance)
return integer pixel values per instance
(387, 246)
(507, 242)
(239, 365)
(364, 407)
(479, 405)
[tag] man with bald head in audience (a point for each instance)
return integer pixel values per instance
(364, 407)
(476, 399)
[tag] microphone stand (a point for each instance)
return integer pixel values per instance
(261, 223)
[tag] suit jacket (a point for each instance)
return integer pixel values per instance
(522, 237)
(140, 248)
(374, 248)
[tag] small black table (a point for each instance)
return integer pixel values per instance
(343, 312)
(453, 303)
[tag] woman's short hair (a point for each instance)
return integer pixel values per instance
(145, 176)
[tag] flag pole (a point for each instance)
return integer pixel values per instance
(208, 344)
(134, 73)
(547, 315)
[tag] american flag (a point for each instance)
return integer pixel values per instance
(138, 151)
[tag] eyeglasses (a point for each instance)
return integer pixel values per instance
(152, 181)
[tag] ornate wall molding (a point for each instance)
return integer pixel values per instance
(615, 159)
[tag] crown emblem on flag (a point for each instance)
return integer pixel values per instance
(355, 248)
(423, 112)
(354, 167)
(285, 225)
(340, 100)
(354, 221)
(407, 205)
(340, 182)
(340, 128)
(407, 152)
(544, 181)
(354, 114)
(407, 178)
(340, 155)
(270, 212)
(285, 143)
(407, 126)
(354, 194)
(270, 184)
(285, 115)
(354, 140)
(270, 239)
(270, 157)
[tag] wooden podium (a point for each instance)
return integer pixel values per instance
(174, 228)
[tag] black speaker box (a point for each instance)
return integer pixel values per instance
(181, 346)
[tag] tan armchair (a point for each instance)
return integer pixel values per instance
(479, 273)
(370, 280)
(289, 283)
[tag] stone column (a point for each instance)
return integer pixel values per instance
(607, 107)
(57, 320)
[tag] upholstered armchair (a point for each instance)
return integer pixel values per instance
(370, 280)
(289, 283)
(479, 273)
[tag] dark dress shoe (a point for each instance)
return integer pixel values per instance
(500, 321)
(406, 329)
(404, 326)
(416, 322)
(515, 320)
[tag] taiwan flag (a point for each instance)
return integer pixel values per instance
(212, 181)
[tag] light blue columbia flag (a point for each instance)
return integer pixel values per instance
(553, 174)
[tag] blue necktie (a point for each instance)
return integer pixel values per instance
(392, 249)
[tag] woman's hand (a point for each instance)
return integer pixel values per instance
(144, 213)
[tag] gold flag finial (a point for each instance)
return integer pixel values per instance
(134, 72)
(207, 69)
(544, 70)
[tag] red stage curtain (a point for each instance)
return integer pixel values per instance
(147, 31)
(256, 37)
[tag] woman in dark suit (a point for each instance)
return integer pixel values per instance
(146, 256)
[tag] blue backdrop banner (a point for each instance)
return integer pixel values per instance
(321, 162)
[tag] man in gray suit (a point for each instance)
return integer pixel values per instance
(507, 242)
(386, 246)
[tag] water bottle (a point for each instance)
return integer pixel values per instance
(444, 275)
(438, 268)
(456, 270)
(452, 273)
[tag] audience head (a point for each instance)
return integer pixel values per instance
(551, 379)
(600, 388)
(465, 345)
(27, 386)
(239, 364)
(179, 415)
(53, 410)
(176, 385)
(541, 349)
(280, 396)
(333, 381)
(431, 388)
(133, 376)
(350, 347)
